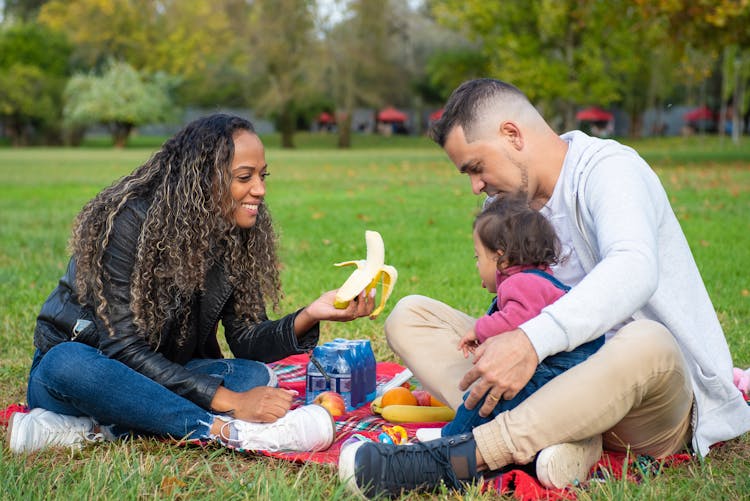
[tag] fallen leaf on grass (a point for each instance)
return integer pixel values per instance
(168, 484)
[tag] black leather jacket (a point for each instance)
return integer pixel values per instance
(266, 341)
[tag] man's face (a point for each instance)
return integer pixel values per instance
(488, 162)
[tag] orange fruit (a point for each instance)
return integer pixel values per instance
(398, 396)
(434, 402)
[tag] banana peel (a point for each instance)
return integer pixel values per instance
(369, 273)
(398, 413)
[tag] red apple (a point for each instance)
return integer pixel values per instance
(422, 396)
(332, 402)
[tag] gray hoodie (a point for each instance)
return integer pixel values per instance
(638, 265)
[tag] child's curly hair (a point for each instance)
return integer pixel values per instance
(523, 235)
(187, 229)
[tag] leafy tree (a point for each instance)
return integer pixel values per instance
(447, 69)
(361, 71)
(121, 98)
(25, 101)
(120, 29)
(196, 41)
(33, 70)
(736, 73)
(24, 10)
(647, 74)
(281, 39)
(562, 53)
(418, 46)
(211, 60)
(712, 27)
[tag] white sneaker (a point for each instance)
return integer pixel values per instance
(307, 428)
(569, 463)
(40, 428)
(427, 434)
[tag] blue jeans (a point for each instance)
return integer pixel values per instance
(549, 368)
(78, 380)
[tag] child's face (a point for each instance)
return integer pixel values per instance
(486, 264)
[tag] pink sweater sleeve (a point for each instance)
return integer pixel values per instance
(520, 297)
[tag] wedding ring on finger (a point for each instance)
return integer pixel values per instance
(492, 398)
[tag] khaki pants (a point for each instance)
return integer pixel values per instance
(635, 390)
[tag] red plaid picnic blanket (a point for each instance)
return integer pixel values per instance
(361, 421)
(611, 466)
(518, 482)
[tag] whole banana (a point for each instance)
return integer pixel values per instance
(397, 413)
(369, 272)
(417, 413)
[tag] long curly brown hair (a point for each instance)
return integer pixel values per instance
(188, 228)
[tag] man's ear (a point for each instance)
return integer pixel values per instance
(512, 133)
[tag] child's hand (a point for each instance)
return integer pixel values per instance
(468, 343)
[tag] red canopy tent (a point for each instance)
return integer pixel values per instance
(702, 113)
(594, 114)
(326, 118)
(435, 115)
(391, 114)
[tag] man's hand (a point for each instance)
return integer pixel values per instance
(502, 366)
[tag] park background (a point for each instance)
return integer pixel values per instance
(72, 69)
(79, 77)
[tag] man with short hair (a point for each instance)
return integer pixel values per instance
(662, 382)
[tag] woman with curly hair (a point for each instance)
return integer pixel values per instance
(127, 342)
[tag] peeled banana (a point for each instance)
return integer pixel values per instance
(369, 272)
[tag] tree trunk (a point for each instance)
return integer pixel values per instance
(344, 121)
(739, 98)
(74, 135)
(121, 133)
(569, 47)
(287, 123)
(636, 124)
(569, 116)
(15, 130)
(726, 88)
(417, 127)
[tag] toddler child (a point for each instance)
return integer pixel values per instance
(515, 246)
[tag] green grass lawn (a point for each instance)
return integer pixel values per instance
(323, 200)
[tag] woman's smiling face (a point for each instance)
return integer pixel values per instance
(248, 171)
